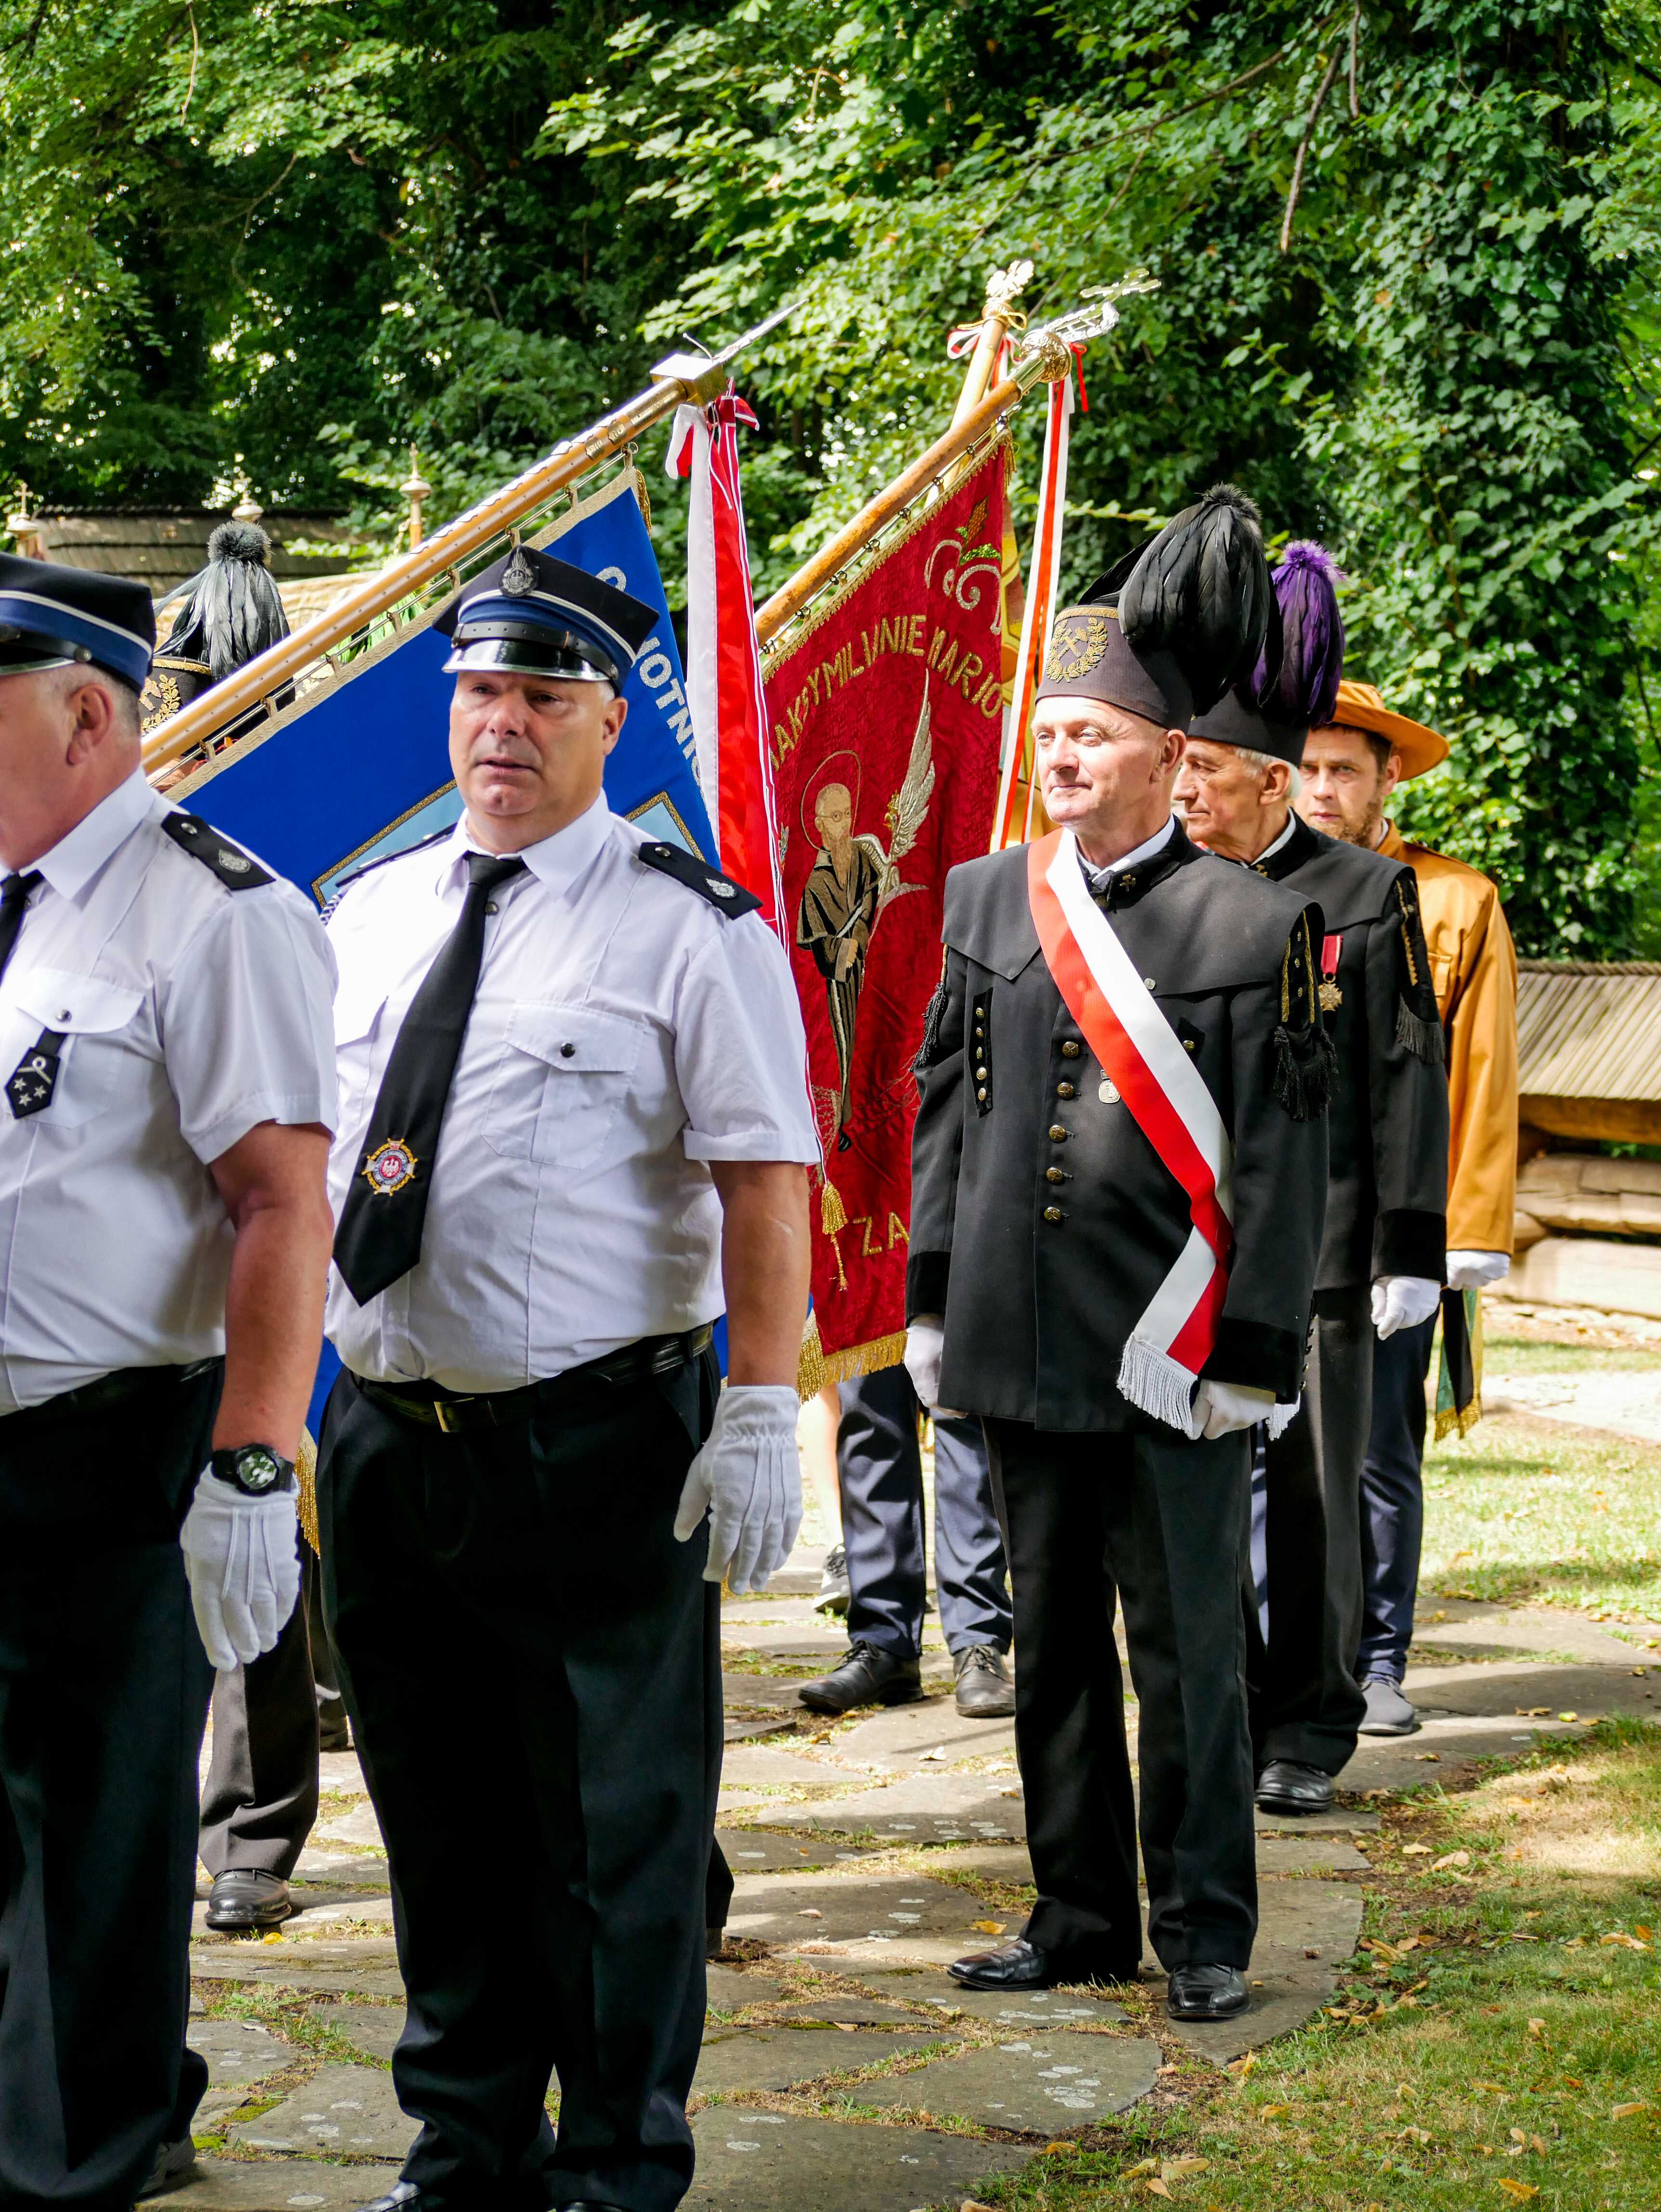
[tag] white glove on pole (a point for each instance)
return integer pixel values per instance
(1222, 1407)
(1475, 1271)
(244, 1568)
(747, 1478)
(1403, 1301)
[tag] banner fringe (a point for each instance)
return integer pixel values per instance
(856, 1359)
(1158, 1385)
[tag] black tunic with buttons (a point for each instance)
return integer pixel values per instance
(1387, 1130)
(1043, 1221)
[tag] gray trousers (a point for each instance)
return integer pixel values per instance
(259, 1802)
(1305, 1703)
(880, 1475)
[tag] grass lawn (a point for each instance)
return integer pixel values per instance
(1495, 2041)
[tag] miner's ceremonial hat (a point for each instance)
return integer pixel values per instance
(1167, 629)
(1297, 676)
(54, 617)
(1361, 707)
(531, 615)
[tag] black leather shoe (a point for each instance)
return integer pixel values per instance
(247, 1899)
(1205, 1993)
(174, 2163)
(867, 1676)
(1285, 1786)
(985, 1692)
(1017, 1966)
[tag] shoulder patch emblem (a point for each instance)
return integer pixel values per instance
(720, 891)
(217, 854)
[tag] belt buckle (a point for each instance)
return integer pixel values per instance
(444, 1408)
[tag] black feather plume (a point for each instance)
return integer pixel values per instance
(1305, 691)
(1201, 592)
(236, 611)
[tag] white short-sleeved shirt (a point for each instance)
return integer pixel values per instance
(190, 1012)
(624, 1035)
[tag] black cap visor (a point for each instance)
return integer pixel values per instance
(502, 648)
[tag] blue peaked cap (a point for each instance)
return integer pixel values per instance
(51, 617)
(531, 614)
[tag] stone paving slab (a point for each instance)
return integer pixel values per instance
(1623, 1401)
(767, 1767)
(924, 1808)
(372, 2029)
(1343, 1820)
(1479, 1624)
(316, 1910)
(1411, 1762)
(343, 1868)
(727, 1988)
(273, 2184)
(756, 1850)
(1036, 2009)
(895, 1740)
(360, 1826)
(239, 2053)
(344, 2110)
(773, 2058)
(1496, 1688)
(369, 1967)
(854, 2011)
(340, 1774)
(905, 1914)
(743, 1731)
(1045, 2086)
(1327, 1854)
(772, 1691)
(767, 2162)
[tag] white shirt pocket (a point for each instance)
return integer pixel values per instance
(101, 1053)
(565, 1073)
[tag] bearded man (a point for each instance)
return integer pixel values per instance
(839, 910)
(1351, 768)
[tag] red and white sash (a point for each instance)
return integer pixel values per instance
(1170, 1102)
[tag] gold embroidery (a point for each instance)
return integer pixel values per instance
(1078, 645)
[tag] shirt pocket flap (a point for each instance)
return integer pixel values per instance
(578, 1040)
(76, 1005)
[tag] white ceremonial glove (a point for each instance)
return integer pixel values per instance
(748, 1478)
(1475, 1271)
(925, 1341)
(1403, 1301)
(1222, 1407)
(244, 1568)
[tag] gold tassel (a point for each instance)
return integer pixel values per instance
(833, 1214)
(305, 1468)
(810, 1362)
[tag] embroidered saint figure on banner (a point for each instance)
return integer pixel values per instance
(852, 879)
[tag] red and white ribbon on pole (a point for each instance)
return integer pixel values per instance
(723, 660)
(1041, 587)
(1167, 1097)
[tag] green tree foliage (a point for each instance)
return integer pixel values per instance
(302, 233)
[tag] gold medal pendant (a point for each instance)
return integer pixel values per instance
(1331, 997)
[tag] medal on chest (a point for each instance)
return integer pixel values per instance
(1331, 997)
(30, 1085)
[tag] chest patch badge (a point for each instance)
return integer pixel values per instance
(1331, 996)
(30, 1085)
(390, 1167)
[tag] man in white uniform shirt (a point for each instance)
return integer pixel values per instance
(574, 1131)
(168, 1079)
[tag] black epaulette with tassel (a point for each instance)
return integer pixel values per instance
(1418, 1019)
(1305, 1075)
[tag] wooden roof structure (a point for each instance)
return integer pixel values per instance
(1589, 1049)
(160, 548)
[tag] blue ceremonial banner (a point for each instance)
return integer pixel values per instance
(360, 767)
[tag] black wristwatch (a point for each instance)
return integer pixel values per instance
(254, 1469)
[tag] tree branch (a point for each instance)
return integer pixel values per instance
(1303, 147)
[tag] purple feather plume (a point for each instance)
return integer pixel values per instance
(1306, 691)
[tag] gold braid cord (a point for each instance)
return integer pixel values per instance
(305, 1468)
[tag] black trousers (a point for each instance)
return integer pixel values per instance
(1306, 1705)
(260, 1801)
(1393, 1500)
(541, 1559)
(1160, 1523)
(104, 1689)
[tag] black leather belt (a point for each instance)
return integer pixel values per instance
(435, 1407)
(98, 1397)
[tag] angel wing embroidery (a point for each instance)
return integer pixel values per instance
(907, 812)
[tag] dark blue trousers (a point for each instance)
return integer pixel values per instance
(880, 1475)
(1393, 1500)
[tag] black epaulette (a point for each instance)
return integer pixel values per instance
(217, 853)
(930, 1050)
(1418, 1017)
(1305, 1070)
(720, 891)
(385, 861)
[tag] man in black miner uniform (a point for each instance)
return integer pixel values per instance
(1382, 1256)
(1118, 1185)
(573, 1130)
(167, 1068)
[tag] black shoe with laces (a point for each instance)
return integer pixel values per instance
(985, 1692)
(867, 1676)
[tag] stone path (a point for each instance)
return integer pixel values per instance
(841, 2068)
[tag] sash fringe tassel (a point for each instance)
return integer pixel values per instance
(1158, 1385)
(1306, 1071)
(1423, 1039)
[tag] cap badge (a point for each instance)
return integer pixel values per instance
(722, 889)
(1078, 645)
(519, 577)
(390, 1167)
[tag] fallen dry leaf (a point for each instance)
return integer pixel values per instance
(1638, 1929)
(973, 2205)
(844, 2027)
(1415, 2134)
(939, 1752)
(1536, 2027)
(1415, 1850)
(1626, 2111)
(1517, 2136)
(1499, 2086)
(1451, 1859)
(1568, 1716)
(1516, 2188)
(809, 1912)
(1156, 2188)
(1537, 2143)
(1178, 2169)
(1242, 2067)
(1147, 2165)
(988, 1926)
(1271, 2112)
(1432, 1755)
(1532, 1712)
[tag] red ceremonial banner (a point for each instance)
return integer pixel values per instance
(886, 714)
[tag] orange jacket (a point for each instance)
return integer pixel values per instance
(1474, 967)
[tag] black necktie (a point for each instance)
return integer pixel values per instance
(379, 1238)
(14, 895)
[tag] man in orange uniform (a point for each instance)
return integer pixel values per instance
(1350, 769)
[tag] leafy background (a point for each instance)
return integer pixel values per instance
(269, 242)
